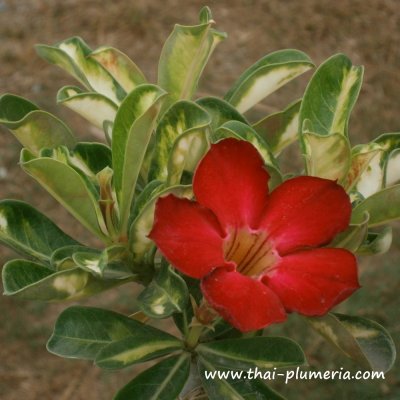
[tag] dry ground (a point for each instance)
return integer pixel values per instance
(368, 31)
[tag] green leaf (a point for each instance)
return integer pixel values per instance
(327, 156)
(68, 187)
(143, 345)
(220, 111)
(120, 66)
(29, 232)
(61, 258)
(261, 352)
(265, 76)
(139, 243)
(376, 242)
(330, 96)
(73, 55)
(226, 388)
(81, 332)
(365, 341)
(392, 168)
(94, 107)
(183, 58)
(132, 131)
(34, 128)
(381, 207)
(165, 295)
(280, 129)
(32, 281)
(183, 116)
(163, 381)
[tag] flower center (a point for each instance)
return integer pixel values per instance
(250, 250)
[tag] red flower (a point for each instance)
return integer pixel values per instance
(258, 254)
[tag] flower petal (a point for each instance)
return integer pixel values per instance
(245, 303)
(231, 181)
(311, 282)
(306, 212)
(188, 235)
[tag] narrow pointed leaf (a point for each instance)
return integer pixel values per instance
(382, 207)
(120, 66)
(365, 341)
(28, 280)
(183, 116)
(165, 295)
(163, 381)
(183, 58)
(220, 111)
(68, 187)
(81, 332)
(376, 243)
(94, 107)
(265, 76)
(72, 55)
(261, 352)
(34, 128)
(280, 129)
(327, 156)
(229, 388)
(330, 96)
(29, 232)
(142, 346)
(132, 131)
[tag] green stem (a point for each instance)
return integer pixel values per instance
(193, 336)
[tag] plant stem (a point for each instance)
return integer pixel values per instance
(193, 336)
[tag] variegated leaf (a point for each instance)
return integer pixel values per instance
(183, 58)
(280, 129)
(94, 107)
(61, 258)
(133, 127)
(183, 116)
(28, 280)
(68, 187)
(377, 243)
(166, 294)
(29, 232)
(73, 55)
(392, 168)
(265, 76)
(330, 96)
(120, 66)
(139, 243)
(35, 129)
(365, 341)
(327, 156)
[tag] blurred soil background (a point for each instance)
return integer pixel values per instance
(367, 31)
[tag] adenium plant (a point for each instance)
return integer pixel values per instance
(189, 199)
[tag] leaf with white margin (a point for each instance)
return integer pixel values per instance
(364, 172)
(266, 76)
(34, 128)
(189, 148)
(382, 207)
(363, 340)
(233, 389)
(72, 55)
(139, 243)
(183, 116)
(327, 156)
(61, 258)
(94, 107)
(132, 131)
(184, 56)
(377, 243)
(331, 95)
(29, 232)
(165, 295)
(280, 129)
(353, 237)
(28, 280)
(120, 66)
(391, 144)
(69, 188)
(392, 169)
(163, 381)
